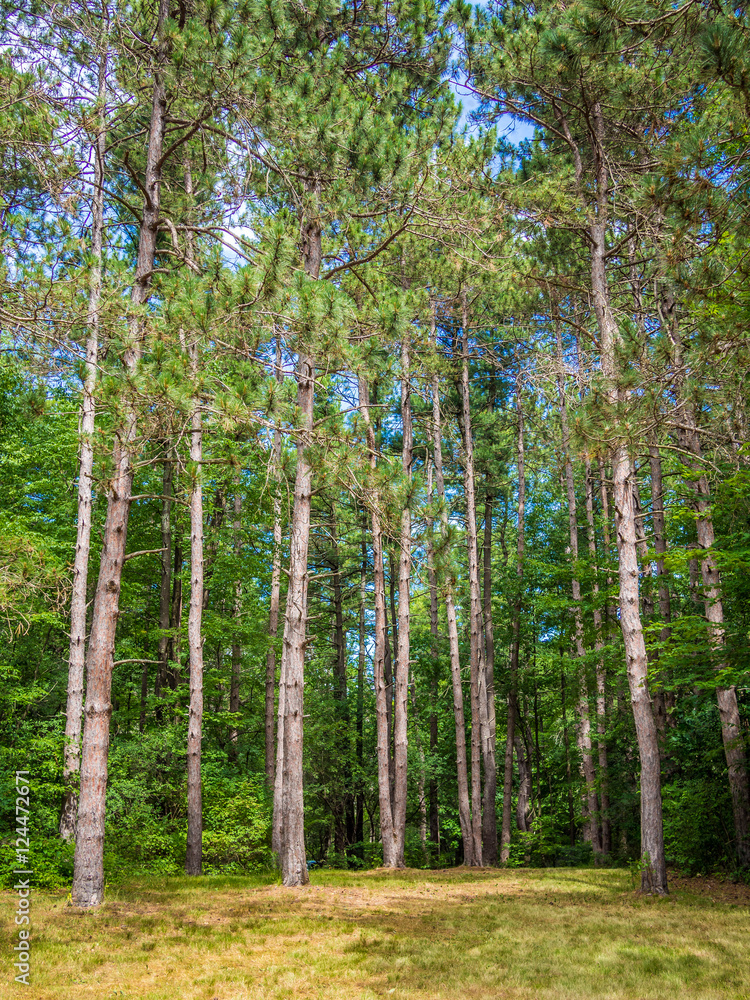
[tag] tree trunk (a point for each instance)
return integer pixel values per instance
(421, 800)
(658, 704)
(194, 854)
(383, 735)
(174, 652)
(361, 663)
(660, 544)
(292, 840)
(601, 675)
(731, 727)
(341, 804)
(464, 809)
(523, 806)
(77, 651)
(515, 640)
(490, 839)
(568, 769)
(400, 707)
(486, 814)
(273, 616)
(293, 856)
(654, 873)
(234, 689)
(590, 805)
(391, 668)
(435, 660)
(88, 866)
(165, 582)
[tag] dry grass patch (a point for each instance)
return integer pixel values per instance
(445, 935)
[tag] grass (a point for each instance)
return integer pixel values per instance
(445, 935)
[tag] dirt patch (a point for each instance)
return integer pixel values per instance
(713, 887)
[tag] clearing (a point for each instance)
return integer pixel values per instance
(413, 935)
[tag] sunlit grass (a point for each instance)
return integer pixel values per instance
(492, 934)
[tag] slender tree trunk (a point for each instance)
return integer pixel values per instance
(654, 875)
(400, 707)
(490, 840)
(77, 651)
(174, 652)
(658, 703)
(590, 804)
(660, 537)
(601, 675)
(292, 845)
(731, 726)
(464, 809)
(391, 670)
(88, 866)
(279, 770)
(523, 806)
(144, 698)
(568, 769)
(435, 660)
(341, 803)
(293, 855)
(421, 800)
(234, 689)
(610, 613)
(486, 814)
(515, 640)
(194, 854)
(383, 736)
(273, 617)
(199, 590)
(660, 544)
(361, 663)
(165, 582)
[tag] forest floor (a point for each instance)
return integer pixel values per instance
(415, 935)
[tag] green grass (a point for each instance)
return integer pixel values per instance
(456, 934)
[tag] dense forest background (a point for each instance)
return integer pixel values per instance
(310, 381)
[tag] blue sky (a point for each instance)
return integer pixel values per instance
(513, 129)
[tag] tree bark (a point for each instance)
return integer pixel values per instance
(483, 806)
(523, 805)
(88, 865)
(234, 689)
(165, 581)
(175, 641)
(654, 872)
(660, 544)
(361, 663)
(194, 853)
(435, 660)
(292, 844)
(658, 704)
(568, 770)
(383, 736)
(421, 799)
(490, 839)
(77, 650)
(731, 726)
(464, 808)
(515, 640)
(583, 730)
(400, 707)
(601, 674)
(341, 802)
(292, 840)
(273, 616)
